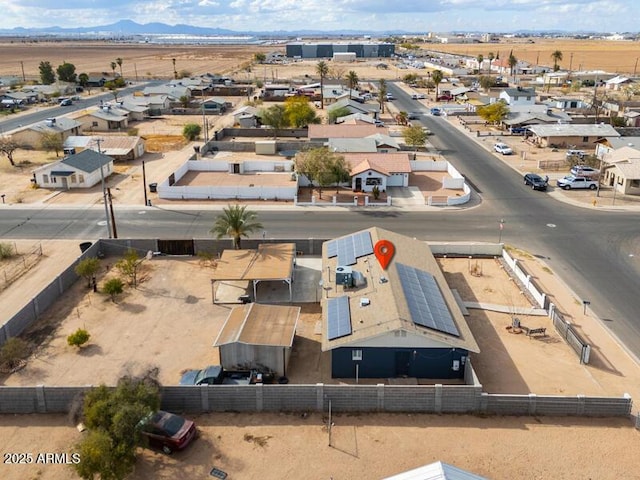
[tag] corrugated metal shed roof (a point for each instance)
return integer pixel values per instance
(436, 471)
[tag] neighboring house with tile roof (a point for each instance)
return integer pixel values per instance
(81, 170)
(378, 169)
(31, 135)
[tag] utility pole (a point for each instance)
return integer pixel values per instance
(635, 67)
(113, 218)
(135, 67)
(24, 79)
(144, 184)
(104, 192)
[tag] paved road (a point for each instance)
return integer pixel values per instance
(13, 122)
(596, 252)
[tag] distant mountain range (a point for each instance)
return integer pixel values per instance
(129, 27)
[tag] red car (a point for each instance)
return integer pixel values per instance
(167, 432)
(446, 98)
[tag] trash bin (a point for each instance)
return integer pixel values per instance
(84, 246)
(153, 187)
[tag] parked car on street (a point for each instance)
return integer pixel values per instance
(390, 97)
(445, 98)
(413, 115)
(418, 96)
(66, 102)
(166, 431)
(536, 181)
(436, 111)
(503, 148)
(584, 171)
(571, 181)
(576, 153)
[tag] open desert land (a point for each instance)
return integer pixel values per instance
(144, 61)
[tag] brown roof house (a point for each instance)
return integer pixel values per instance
(401, 320)
(383, 170)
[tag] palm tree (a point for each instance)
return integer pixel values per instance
(480, 59)
(557, 57)
(322, 69)
(382, 93)
(491, 56)
(175, 73)
(113, 68)
(437, 77)
(119, 62)
(235, 222)
(513, 61)
(352, 81)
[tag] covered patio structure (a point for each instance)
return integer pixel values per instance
(270, 262)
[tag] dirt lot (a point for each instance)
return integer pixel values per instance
(364, 446)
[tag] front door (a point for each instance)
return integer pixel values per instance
(402, 364)
(358, 184)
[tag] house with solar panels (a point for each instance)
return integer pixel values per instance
(402, 321)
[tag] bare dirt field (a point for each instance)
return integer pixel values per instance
(272, 446)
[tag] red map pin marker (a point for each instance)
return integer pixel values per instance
(384, 251)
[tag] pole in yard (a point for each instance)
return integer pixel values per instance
(501, 227)
(104, 192)
(584, 306)
(330, 422)
(144, 184)
(113, 218)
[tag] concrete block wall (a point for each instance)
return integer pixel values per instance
(407, 398)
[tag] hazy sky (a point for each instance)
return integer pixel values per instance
(370, 15)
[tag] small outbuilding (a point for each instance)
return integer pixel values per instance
(436, 471)
(257, 336)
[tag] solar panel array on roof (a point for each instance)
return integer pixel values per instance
(351, 247)
(338, 317)
(425, 300)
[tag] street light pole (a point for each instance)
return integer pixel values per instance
(144, 184)
(501, 227)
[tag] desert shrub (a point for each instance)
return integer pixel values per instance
(191, 131)
(6, 250)
(132, 132)
(13, 353)
(78, 338)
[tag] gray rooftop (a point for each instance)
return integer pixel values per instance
(87, 160)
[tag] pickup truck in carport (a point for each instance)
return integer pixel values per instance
(571, 181)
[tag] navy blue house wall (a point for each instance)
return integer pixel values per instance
(384, 362)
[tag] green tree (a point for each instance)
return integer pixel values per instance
(486, 82)
(235, 222)
(113, 68)
(184, 101)
(336, 113)
(119, 61)
(112, 417)
(87, 268)
(556, 55)
(480, 59)
(191, 131)
(259, 57)
(493, 113)
(322, 69)
(66, 72)
(113, 287)
(51, 141)
(414, 136)
(129, 266)
(382, 93)
(322, 167)
(7, 147)
(352, 81)
(276, 117)
(299, 111)
(78, 338)
(437, 78)
(410, 78)
(402, 118)
(47, 77)
(114, 85)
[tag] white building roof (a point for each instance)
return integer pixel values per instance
(563, 130)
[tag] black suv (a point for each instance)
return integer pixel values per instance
(536, 181)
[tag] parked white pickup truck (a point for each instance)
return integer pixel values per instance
(571, 181)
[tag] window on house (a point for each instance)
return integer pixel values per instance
(635, 183)
(94, 124)
(45, 178)
(373, 181)
(585, 139)
(73, 178)
(80, 178)
(356, 355)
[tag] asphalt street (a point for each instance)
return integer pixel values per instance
(595, 252)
